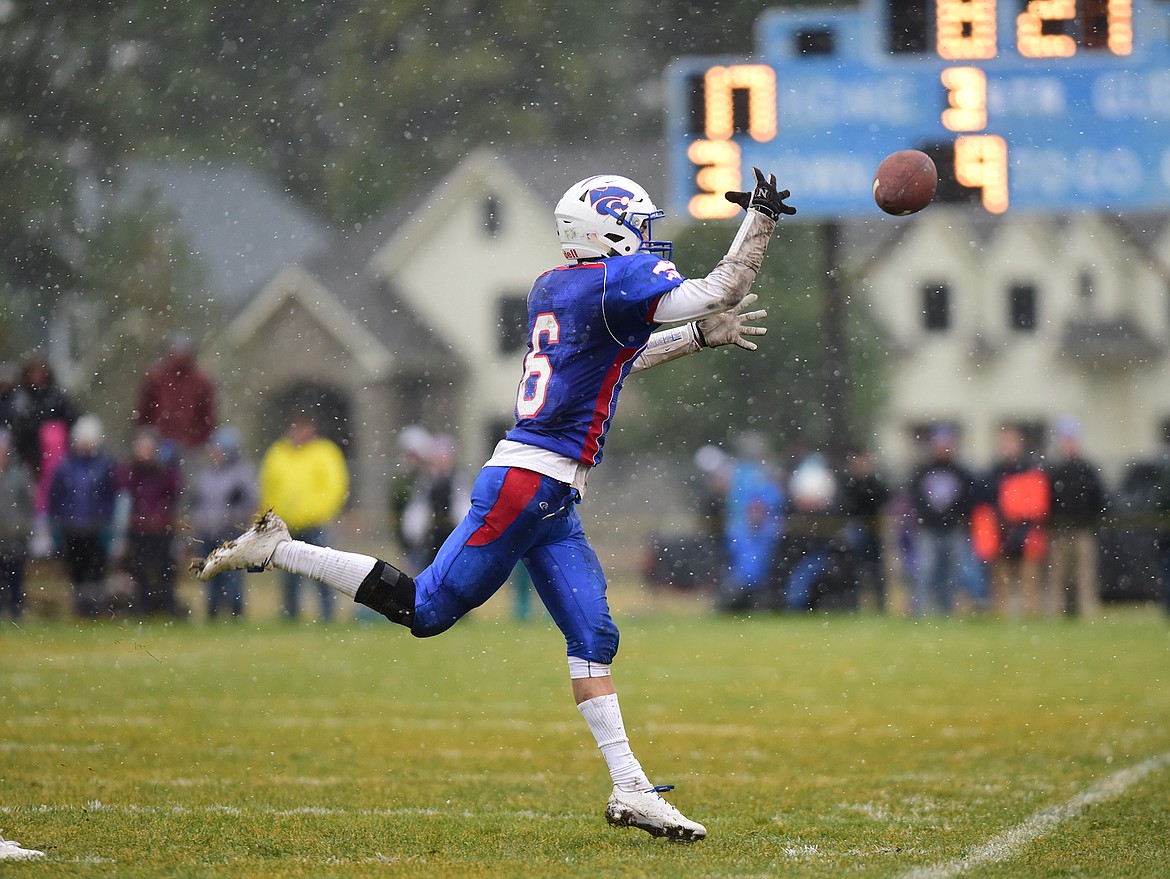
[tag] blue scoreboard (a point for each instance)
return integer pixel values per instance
(1025, 105)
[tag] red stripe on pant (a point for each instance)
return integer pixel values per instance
(519, 488)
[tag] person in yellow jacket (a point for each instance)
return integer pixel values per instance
(304, 479)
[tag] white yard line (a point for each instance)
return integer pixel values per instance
(1006, 845)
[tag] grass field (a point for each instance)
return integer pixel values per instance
(813, 746)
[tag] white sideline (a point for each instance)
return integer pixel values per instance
(1004, 846)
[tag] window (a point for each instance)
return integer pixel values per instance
(1022, 307)
(1085, 286)
(512, 323)
(491, 215)
(936, 307)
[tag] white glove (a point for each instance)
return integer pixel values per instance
(731, 326)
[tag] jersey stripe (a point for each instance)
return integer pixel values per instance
(603, 406)
(519, 487)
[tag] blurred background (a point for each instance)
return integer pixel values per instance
(223, 215)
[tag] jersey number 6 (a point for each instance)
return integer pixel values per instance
(537, 368)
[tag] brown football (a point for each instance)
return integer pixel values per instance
(905, 182)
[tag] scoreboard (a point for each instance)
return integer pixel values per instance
(1025, 105)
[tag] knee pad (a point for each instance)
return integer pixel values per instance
(390, 592)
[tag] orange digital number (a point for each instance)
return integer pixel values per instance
(981, 162)
(1119, 16)
(1030, 37)
(966, 99)
(759, 81)
(966, 29)
(719, 172)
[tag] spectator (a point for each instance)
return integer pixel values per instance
(755, 519)
(42, 416)
(410, 496)
(225, 497)
(813, 554)
(942, 495)
(864, 494)
(304, 480)
(16, 515)
(715, 467)
(177, 400)
(449, 495)
(152, 486)
(1021, 497)
(81, 510)
(1078, 503)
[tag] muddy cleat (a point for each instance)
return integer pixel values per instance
(10, 850)
(649, 811)
(251, 551)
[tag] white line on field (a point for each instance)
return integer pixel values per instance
(1004, 846)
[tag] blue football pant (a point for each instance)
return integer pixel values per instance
(519, 515)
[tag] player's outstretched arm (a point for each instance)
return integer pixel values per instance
(731, 327)
(729, 282)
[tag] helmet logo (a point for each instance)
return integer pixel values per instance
(610, 200)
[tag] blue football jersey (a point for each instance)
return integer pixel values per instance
(586, 324)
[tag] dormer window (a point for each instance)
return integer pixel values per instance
(936, 307)
(1022, 307)
(491, 215)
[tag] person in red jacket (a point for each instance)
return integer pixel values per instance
(152, 488)
(1021, 496)
(177, 400)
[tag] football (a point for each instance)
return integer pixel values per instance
(905, 182)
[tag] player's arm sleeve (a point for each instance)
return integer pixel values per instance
(726, 284)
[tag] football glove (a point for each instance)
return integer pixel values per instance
(730, 327)
(764, 198)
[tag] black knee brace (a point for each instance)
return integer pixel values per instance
(390, 592)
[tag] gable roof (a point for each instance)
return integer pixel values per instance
(294, 284)
(240, 226)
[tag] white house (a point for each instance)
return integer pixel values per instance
(1022, 320)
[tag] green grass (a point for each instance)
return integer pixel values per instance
(809, 746)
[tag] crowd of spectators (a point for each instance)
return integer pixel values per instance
(113, 520)
(1019, 539)
(120, 524)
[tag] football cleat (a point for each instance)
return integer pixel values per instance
(251, 551)
(10, 850)
(646, 809)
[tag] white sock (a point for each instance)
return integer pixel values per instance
(344, 571)
(605, 722)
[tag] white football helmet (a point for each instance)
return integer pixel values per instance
(607, 215)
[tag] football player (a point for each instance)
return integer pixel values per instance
(591, 322)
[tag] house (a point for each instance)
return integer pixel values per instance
(1020, 320)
